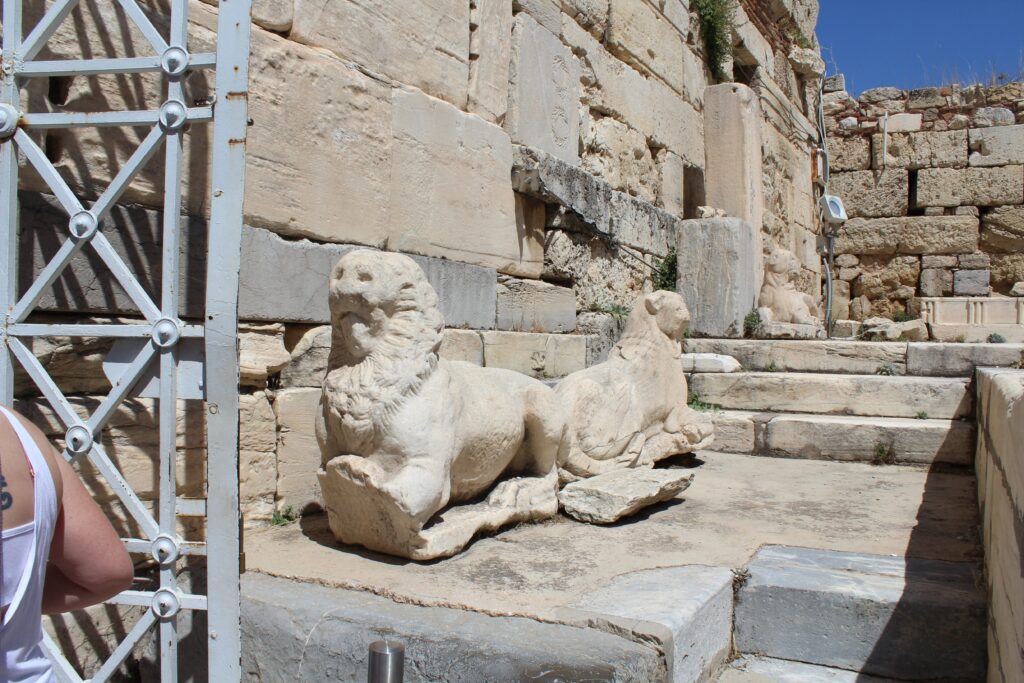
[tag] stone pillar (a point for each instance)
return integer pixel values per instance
(719, 264)
(732, 150)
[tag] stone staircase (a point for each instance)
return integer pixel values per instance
(883, 402)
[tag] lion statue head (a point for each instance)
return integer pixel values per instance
(658, 321)
(784, 263)
(386, 329)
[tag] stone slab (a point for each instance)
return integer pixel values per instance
(543, 91)
(999, 146)
(909, 235)
(301, 631)
(297, 291)
(971, 283)
(1003, 229)
(974, 333)
(490, 47)
(921, 150)
(298, 455)
(694, 604)
(535, 306)
(464, 345)
(642, 37)
(843, 357)
(425, 45)
(959, 360)
(709, 362)
(609, 497)
(719, 273)
(736, 430)
(883, 615)
(734, 177)
(753, 669)
(872, 194)
(865, 439)
(878, 396)
(545, 356)
(973, 186)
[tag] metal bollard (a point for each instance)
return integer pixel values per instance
(387, 662)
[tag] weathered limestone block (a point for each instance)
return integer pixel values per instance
(544, 91)
(734, 177)
(534, 306)
(464, 345)
(719, 273)
(889, 283)
(1007, 269)
(871, 194)
(976, 261)
(970, 186)
(1002, 229)
(257, 466)
(490, 47)
(993, 116)
(672, 186)
(936, 282)
(298, 456)
(620, 156)
(607, 498)
(591, 15)
(779, 300)
(643, 38)
(633, 222)
(449, 169)
(752, 47)
(261, 353)
(925, 98)
(645, 104)
(543, 356)
(883, 329)
(959, 360)
(601, 278)
(709, 362)
(603, 331)
(631, 411)
(74, 364)
(849, 154)
(456, 428)
(273, 15)
(909, 235)
(425, 44)
(904, 123)
(921, 150)
(997, 146)
(547, 13)
(807, 62)
(971, 283)
(852, 358)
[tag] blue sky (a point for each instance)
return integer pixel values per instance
(914, 43)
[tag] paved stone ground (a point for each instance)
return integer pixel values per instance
(735, 505)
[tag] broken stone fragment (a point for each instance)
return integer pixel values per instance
(609, 497)
(709, 362)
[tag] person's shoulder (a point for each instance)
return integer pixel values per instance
(50, 453)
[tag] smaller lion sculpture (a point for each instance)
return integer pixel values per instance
(631, 411)
(780, 300)
(405, 435)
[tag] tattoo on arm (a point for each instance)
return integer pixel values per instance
(6, 499)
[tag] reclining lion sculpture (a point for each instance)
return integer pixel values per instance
(631, 410)
(780, 300)
(405, 435)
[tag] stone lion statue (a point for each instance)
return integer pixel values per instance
(404, 435)
(631, 410)
(780, 301)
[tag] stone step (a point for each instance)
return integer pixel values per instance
(868, 395)
(925, 359)
(667, 625)
(882, 440)
(768, 670)
(886, 616)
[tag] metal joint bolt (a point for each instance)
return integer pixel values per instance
(166, 603)
(387, 662)
(166, 333)
(173, 116)
(9, 118)
(83, 225)
(165, 549)
(174, 61)
(78, 440)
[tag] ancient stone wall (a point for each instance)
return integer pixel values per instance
(535, 156)
(933, 180)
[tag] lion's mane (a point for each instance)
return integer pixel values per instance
(365, 395)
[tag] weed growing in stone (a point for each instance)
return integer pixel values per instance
(283, 516)
(716, 24)
(884, 455)
(751, 323)
(922, 415)
(665, 276)
(772, 367)
(996, 338)
(959, 339)
(886, 369)
(617, 311)
(903, 317)
(697, 403)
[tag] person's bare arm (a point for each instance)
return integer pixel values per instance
(88, 562)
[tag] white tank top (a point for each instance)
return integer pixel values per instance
(23, 660)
